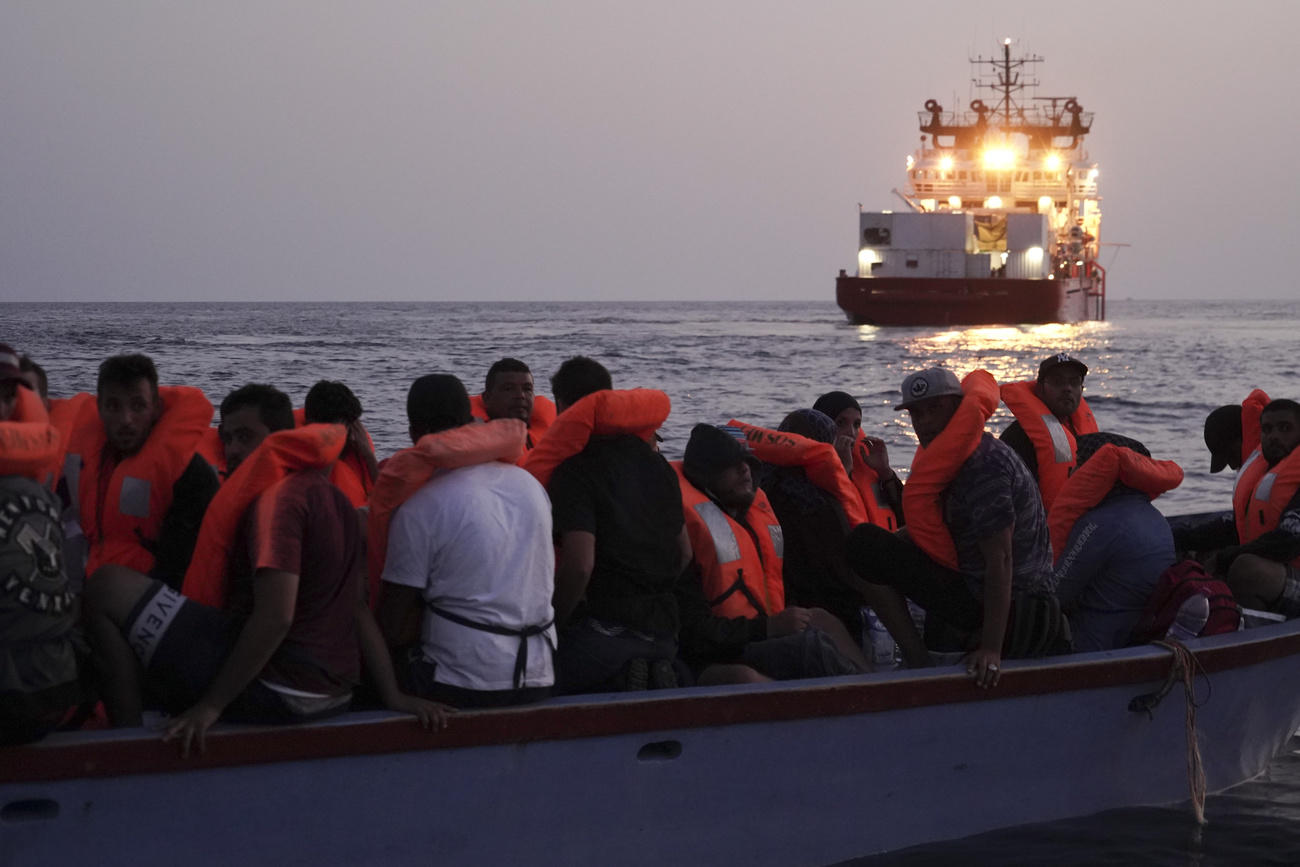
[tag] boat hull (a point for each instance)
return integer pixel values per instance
(804, 773)
(922, 301)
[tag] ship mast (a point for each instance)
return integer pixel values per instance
(1006, 80)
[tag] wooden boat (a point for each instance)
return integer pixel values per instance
(808, 772)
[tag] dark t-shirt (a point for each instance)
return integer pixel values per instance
(179, 532)
(1020, 443)
(992, 491)
(622, 491)
(306, 526)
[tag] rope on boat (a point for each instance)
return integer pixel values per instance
(1183, 669)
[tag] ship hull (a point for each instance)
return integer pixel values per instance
(922, 301)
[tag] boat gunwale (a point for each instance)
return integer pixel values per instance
(113, 754)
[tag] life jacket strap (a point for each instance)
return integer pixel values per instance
(522, 633)
(739, 586)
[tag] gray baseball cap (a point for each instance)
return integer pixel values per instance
(928, 383)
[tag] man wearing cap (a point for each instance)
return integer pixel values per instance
(1223, 437)
(738, 545)
(994, 515)
(1050, 412)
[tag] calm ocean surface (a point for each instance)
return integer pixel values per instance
(1157, 368)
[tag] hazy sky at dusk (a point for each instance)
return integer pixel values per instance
(599, 150)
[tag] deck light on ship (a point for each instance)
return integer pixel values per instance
(945, 163)
(954, 202)
(1052, 163)
(993, 202)
(1034, 256)
(999, 158)
(1092, 175)
(1044, 204)
(911, 161)
(866, 258)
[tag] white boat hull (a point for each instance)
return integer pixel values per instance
(804, 773)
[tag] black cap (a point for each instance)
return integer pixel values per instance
(1060, 358)
(713, 449)
(9, 367)
(1223, 436)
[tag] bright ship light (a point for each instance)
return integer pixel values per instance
(1092, 175)
(945, 163)
(911, 161)
(993, 202)
(999, 158)
(1052, 163)
(954, 202)
(1044, 204)
(866, 258)
(1034, 256)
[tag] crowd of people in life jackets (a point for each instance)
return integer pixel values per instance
(269, 569)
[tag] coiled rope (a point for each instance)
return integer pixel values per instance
(1183, 669)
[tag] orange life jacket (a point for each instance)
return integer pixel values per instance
(284, 452)
(30, 444)
(638, 411)
(819, 461)
(543, 416)
(1251, 409)
(879, 512)
(349, 474)
(1090, 483)
(1261, 493)
(64, 412)
(935, 466)
(740, 569)
(121, 528)
(407, 471)
(1053, 442)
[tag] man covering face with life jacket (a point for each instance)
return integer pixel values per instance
(1050, 413)
(866, 460)
(139, 487)
(977, 532)
(1263, 568)
(356, 469)
(737, 544)
(508, 393)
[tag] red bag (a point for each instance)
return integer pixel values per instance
(1175, 585)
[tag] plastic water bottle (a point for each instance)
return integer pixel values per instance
(878, 645)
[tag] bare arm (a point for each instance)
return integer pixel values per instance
(275, 595)
(577, 560)
(379, 665)
(985, 662)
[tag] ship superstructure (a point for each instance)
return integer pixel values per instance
(997, 197)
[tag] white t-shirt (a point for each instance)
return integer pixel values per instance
(477, 541)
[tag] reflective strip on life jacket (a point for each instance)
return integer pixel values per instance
(279, 455)
(609, 412)
(936, 465)
(819, 461)
(542, 417)
(1054, 444)
(407, 471)
(120, 528)
(1090, 483)
(740, 567)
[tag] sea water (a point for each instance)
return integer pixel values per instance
(1155, 370)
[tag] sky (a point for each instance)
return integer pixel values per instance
(599, 150)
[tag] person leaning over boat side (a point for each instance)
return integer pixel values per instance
(508, 393)
(618, 519)
(334, 403)
(990, 507)
(1050, 412)
(737, 546)
(866, 460)
(469, 572)
(1263, 569)
(138, 485)
(815, 526)
(1116, 550)
(293, 623)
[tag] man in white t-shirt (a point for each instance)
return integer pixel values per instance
(469, 573)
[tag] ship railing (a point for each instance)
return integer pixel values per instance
(1035, 117)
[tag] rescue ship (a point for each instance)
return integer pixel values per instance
(1003, 216)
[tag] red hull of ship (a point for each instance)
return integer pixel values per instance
(967, 301)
